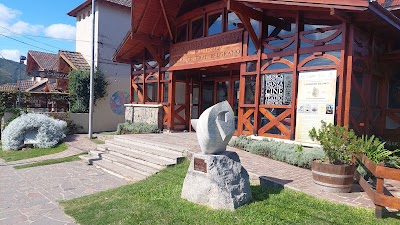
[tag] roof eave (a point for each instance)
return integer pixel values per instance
(384, 14)
(82, 6)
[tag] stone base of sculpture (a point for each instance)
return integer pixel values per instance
(217, 181)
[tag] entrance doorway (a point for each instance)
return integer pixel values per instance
(215, 90)
(195, 91)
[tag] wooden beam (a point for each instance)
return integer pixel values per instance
(247, 25)
(153, 51)
(244, 10)
(340, 15)
(148, 39)
(166, 20)
(141, 17)
(245, 13)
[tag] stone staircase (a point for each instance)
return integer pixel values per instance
(134, 158)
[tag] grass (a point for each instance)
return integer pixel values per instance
(157, 200)
(31, 153)
(50, 161)
(97, 141)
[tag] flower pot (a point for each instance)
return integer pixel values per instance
(333, 178)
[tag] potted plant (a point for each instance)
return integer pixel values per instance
(335, 172)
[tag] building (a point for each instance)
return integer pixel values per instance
(112, 21)
(282, 65)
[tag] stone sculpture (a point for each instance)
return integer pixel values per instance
(216, 178)
(215, 128)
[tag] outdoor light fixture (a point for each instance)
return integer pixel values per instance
(203, 69)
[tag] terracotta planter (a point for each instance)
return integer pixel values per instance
(333, 178)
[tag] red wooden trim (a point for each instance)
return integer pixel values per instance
(276, 106)
(349, 71)
(341, 72)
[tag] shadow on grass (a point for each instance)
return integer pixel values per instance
(261, 193)
(392, 214)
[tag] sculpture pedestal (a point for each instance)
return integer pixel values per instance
(217, 181)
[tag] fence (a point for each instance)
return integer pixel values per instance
(378, 193)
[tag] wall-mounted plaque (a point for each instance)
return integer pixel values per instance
(200, 165)
(195, 53)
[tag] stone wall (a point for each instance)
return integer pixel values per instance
(143, 113)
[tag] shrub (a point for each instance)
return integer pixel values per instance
(289, 153)
(79, 89)
(337, 142)
(136, 128)
(49, 131)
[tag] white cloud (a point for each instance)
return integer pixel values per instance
(21, 27)
(10, 27)
(11, 54)
(60, 31)
(7, 13)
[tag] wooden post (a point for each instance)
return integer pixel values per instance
(171, 101)
(295, 77)
(349, 72)
(257, 91)
(342, 72)
(187, 101)
(379, 190)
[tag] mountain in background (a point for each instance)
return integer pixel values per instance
(10, 71)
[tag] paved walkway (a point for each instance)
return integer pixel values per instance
(30, 196)
(268, 170)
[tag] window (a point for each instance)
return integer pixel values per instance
(215, 23)
(276, 89)
(152, 92)
(197, 28)
(233, 21)
(181, 33)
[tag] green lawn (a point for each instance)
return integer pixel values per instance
(156, 200)
(31, 153)
(50, 161)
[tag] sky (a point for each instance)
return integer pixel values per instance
(40, 25)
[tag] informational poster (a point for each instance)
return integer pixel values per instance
(315, 101)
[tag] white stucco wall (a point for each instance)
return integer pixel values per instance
(112, 24)
(83, 41)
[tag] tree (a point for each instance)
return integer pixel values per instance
(79, 89)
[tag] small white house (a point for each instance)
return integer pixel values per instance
(112, 22)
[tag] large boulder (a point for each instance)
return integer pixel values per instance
(217, 181)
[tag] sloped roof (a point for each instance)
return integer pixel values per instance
(74, 60)
(24, 85)
(87, 3)
(389, 3)
(46, 61)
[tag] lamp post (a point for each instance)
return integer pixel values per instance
(21, 61)
(91, 95)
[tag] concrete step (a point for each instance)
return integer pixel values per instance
(136, 165)
(137, 154)
(119, 170)
(152, 149)
(172, 147)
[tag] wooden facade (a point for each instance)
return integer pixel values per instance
(188, 56)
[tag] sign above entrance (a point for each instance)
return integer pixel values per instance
(207, 51)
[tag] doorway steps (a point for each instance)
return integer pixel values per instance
(134, 158)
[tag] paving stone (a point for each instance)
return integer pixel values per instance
(30, 196)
